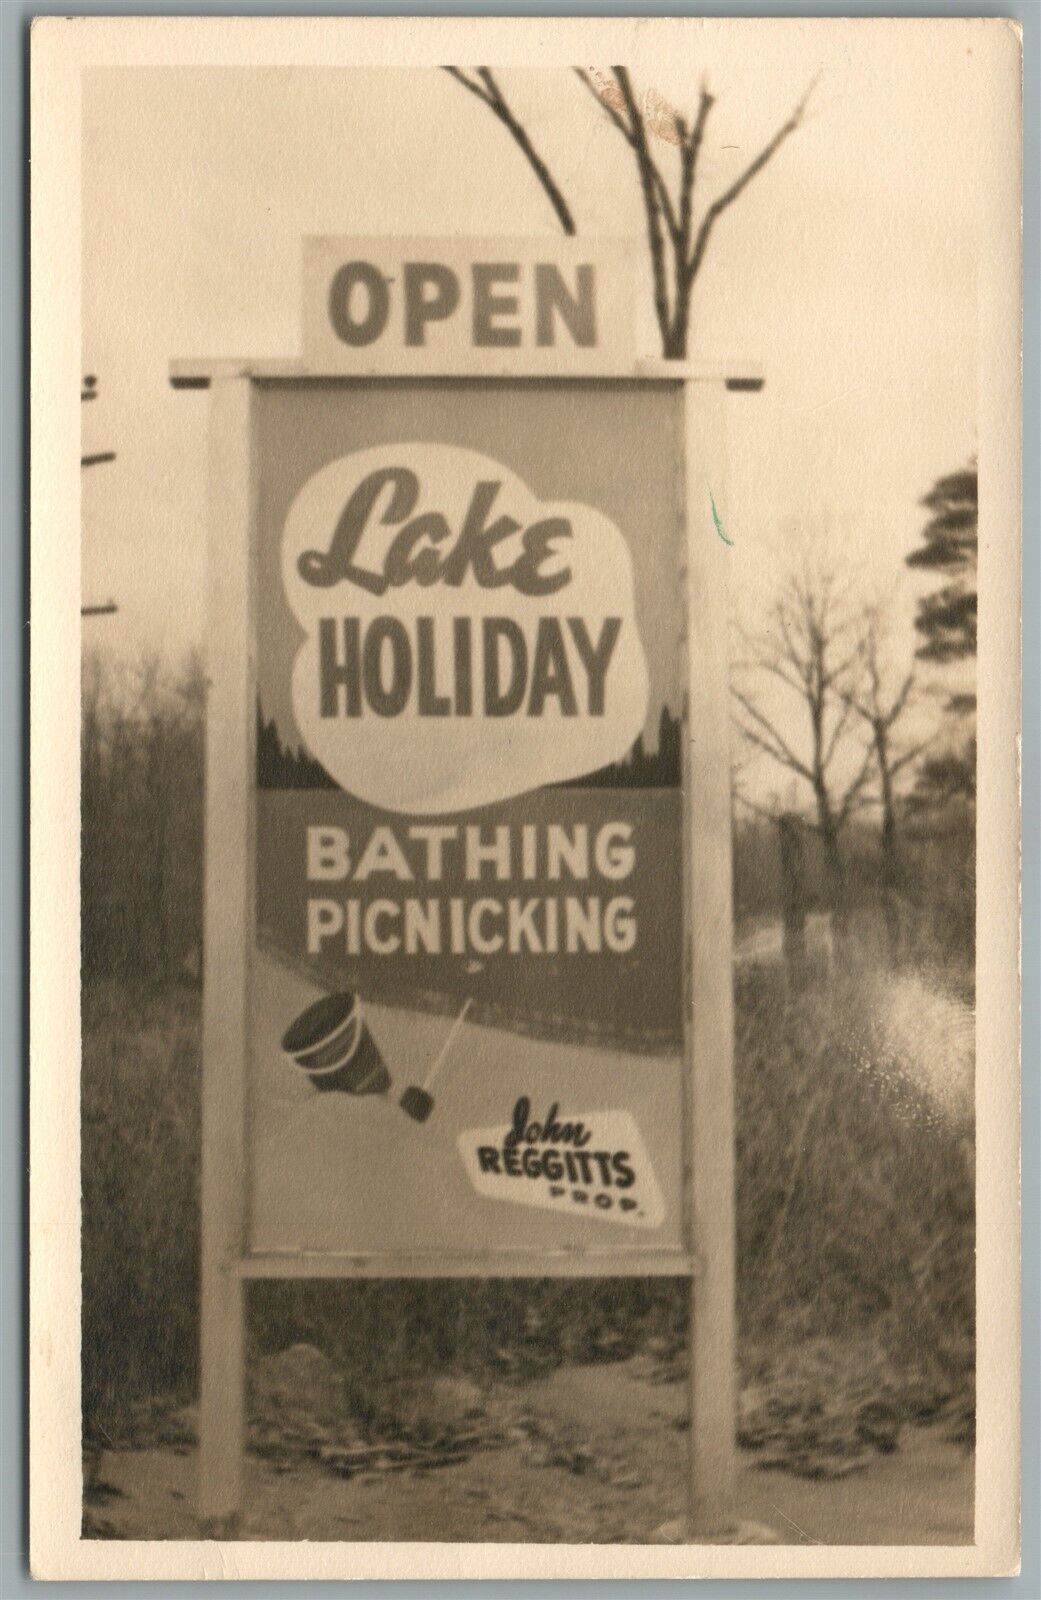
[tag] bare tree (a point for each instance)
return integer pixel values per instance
(812, 645)
(678, 233)
(882, 702)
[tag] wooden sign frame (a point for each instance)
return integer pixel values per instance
(708, 1259)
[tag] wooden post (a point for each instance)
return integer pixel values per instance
(228, 921)
(710, 1023)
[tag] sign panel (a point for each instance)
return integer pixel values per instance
(451, 305)
(467, 1018)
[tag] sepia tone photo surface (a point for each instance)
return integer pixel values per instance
(535, 844)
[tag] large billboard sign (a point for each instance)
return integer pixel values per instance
(467, 1002)
(467, 1018)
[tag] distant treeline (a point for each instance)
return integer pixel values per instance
(141, 819)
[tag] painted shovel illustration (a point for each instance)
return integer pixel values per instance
(417, 1101)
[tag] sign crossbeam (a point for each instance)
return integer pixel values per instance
(485, 1264)
(738, 375)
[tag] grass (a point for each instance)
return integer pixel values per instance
(855, 1236)
(140, 1190)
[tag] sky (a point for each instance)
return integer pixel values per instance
(847, 271)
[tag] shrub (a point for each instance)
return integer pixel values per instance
(855, 1198)
(140, 1189)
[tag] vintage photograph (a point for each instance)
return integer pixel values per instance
(531, 521)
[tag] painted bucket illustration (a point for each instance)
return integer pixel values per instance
(330, 1042)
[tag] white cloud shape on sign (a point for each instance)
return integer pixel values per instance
(408, 760)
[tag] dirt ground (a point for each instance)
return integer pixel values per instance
(589, 1454)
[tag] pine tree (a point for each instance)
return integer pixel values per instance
(946, 621)
(947, 617)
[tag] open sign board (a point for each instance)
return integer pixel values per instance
(467, 1003)
(467, 306)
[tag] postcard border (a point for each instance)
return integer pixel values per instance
(60, 51)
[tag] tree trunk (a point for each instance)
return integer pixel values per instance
(837, 887)
(890, 865)
(834, 866)
(793, 898)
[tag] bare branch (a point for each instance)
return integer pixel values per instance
(801, 660)
(837, 731)
(852, 794)
(871, 710)
(782, 751)
(911, 754)
(774, 811)
(606, 103)
(727, 198)
(697, 132)
(901, 700)
(460, 77)
(775, 669)
(756, 806)
(496, 103)
(646, 168)
(690, 146)
(833, 675)
(760, 743)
